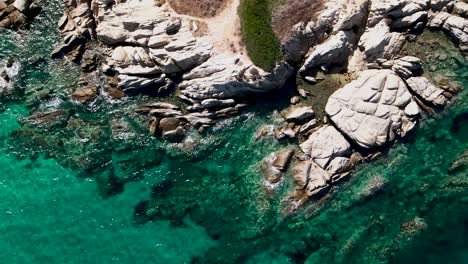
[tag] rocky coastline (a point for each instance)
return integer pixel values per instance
(129, 48)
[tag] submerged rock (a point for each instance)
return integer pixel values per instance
(47, 119)
(85, 95)
(310, 177)
(8, 74)
(275, 165)
(460, 163)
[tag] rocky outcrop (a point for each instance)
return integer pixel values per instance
(274, 166)
(8, 73)
(310, 178)
(455, 24)
(427, 91)
(325, 145)
(299, 114)
(144, 47)
(335, 50)
(147, 48)
(374, 109)
(17, 14)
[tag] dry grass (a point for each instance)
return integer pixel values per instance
(288, 13)
(198, 8)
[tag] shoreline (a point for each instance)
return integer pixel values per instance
(119, 61)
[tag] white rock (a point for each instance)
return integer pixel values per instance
(335, 50)
(370, 110)
(299, 114)
(426, 90)
(309, 176)
(326, 144)
(412, 109)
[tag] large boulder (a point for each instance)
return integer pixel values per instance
(335, 50)
(326, 144)
(371, 110)
(378, 42)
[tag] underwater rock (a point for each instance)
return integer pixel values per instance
(274, 166)
(8, 74)
(49, 119)
(85, 95)
(459, 164)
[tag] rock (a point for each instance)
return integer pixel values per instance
(299, 114)
(173, 27)
(18, 14)
(456, 27)
(77, 27)
(295, 100)
(370, 110)
(171, 129)
(441, 5)
(338, 166)
(407, 67)
(8, 75)
(427, 91)
(176, 135)
(263, 132)
(300, 173)
(335, 50)
(153, 125)
(164, 112)
(412, 109)
(85, 95)
(282, 159)
(378, 42)
(115, 92)
(459, 164)
(326, 144)
(307, 127)
(461, 8)
(275, 165)
(162, 105)
(49, 119)
(310, 177)
(453, 25)
(169, 124)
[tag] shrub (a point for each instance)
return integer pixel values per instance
(263, 46)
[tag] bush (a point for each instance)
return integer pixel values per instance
(263, 47)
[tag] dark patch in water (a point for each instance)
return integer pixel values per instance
(460, 127)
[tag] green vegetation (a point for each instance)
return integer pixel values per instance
(263, 46)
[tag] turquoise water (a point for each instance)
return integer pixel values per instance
(76, 191)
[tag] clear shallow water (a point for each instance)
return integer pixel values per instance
(59, 205)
